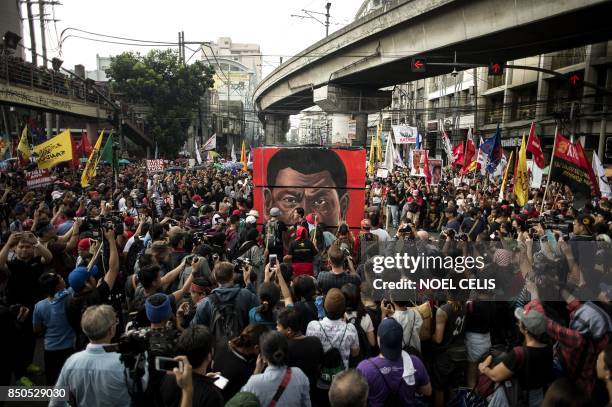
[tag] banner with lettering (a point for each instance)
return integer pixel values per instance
(54, 151)
(155, 166)
(38, 178)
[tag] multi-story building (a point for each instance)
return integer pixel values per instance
(99, 74)
(237, 73)
(11, 20)
(472, 98)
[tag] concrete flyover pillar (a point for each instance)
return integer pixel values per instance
(349, 109)
(276, 127)
(92, 132)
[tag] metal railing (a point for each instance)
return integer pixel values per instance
(16, 72)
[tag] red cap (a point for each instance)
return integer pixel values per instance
(196, 198)
(84, 244)
(310, 218)
(93, 194)
(236, 212)
(128, 220)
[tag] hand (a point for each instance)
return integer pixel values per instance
(13, 239)
(23, 313)
(485, 364)
(109, 234)
(269, 272)
(260, 365)
(93, 246)
(386, 310)
(565, 249)
(247, 275)
(183, 377)
(182, 310)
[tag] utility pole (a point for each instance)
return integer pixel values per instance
(32, 34)
(327, 6)
(43, 39)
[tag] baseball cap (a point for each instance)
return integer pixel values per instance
(587, 221)
(391, 335)
(310, 218)
(84, 244)
(274, 212)
(79, 276)
(236, 212)
(251, 219)
(196, 198)
(534, 320)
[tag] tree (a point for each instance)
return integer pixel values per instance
(170, 88)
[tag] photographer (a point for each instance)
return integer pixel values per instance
(87, 290)
(22, 273)
(338, 276)
(105, 383)
(196, 344)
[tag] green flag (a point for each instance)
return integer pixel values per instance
(107, 153)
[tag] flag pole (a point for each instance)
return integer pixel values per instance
(549, 171)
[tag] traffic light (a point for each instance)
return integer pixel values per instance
(496, 68)
(575, 79)
(418, 65)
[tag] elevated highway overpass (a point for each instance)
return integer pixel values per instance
(344, 72)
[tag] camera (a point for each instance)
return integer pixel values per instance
(113, 221)
(132, 342)
(239, 264)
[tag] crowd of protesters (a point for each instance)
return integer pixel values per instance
(112, 279)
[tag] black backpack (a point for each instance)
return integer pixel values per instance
(225, 322)
(233, 247)
(136, 250)
(332, 361)
(365, 349)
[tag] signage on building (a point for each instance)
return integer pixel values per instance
(352, 129)
(432, 126)
(511, 142)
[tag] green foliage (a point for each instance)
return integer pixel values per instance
(172, 90)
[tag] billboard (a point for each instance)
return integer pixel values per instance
(329, 182)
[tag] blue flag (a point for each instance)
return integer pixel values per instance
(418, 142)
(496, 153)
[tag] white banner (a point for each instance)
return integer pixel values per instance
(417, 162)
(211, 143)
(155, 166)
(536, 174)
(600, 173)
(405, 134)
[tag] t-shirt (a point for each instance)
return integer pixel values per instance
(302, 251)
(235, 367)
(535, 371)
(327, 280)
(411, 322)
(52, 315)
(335, 333)
(205, 393)
(307, 354)
(382, 234)
(382, 374)
(480, 316)
(79, 302)
(22, 287)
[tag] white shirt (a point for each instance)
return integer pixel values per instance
(411, 322)
(382, 234)
(337, 334)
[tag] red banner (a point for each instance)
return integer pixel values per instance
(327, 182)
(38, 178)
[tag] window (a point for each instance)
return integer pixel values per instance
(494, 109)
(524, 103)
(495, 81)
(567, 57)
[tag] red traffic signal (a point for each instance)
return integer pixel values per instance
(418, 64)
(496, 68)
(575, 79)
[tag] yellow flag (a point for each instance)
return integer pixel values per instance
(54, 151)
(90, 168)
(379, 152)
(243, 157)
(23, 146)
(521, 183)
(371, 167)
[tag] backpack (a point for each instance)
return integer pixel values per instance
(365, 349)
(225, 322)
(233, 247)
(136, 250)
(272, 235)
(393, 399)
(332, 361)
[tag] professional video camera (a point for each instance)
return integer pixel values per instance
(240, 264)
(112, 221)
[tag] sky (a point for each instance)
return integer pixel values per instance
(265, 22)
